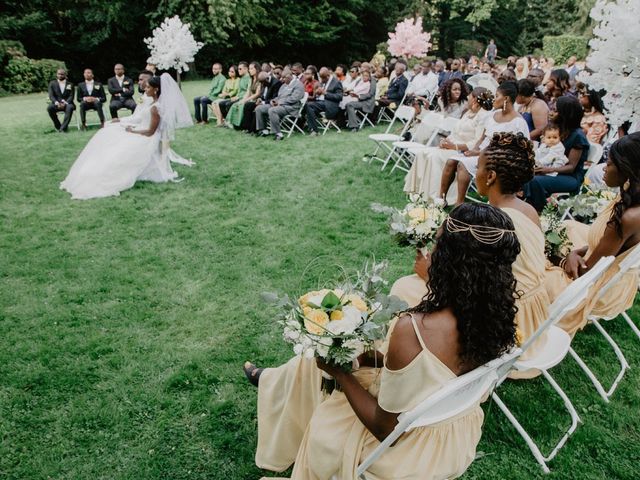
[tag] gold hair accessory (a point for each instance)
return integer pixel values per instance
(483, 234)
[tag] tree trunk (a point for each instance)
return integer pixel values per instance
(178, 78)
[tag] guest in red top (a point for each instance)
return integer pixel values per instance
(310, 81)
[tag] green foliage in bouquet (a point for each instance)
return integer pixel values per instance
(556, 239)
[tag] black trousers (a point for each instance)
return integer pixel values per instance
(200, 105)
(225, 105)
(97, 106)
(313, 112)
(68, 109)
(248, 122)
(118, 102)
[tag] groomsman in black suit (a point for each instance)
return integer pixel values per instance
(121, 89)
(91, 96)
(270, 88)
(61, 96)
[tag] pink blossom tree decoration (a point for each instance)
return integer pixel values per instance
(409, 40)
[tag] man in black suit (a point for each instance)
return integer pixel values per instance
(121, 89)
(270, 88)
(61, 96)
(328, 98)
(91, 96)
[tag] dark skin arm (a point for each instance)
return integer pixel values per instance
(610, 244)
(568, 169)
(540, 115)
(153, 126)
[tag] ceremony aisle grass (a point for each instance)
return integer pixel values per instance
(125, 321)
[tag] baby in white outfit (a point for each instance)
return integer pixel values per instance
(550, 153)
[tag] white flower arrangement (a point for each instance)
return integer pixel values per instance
(172, 45)
(338, 324)
(417, 223)
(585, 207)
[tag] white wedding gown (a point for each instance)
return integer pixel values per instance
(115, 159)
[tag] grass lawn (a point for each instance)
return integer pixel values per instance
(125, 321)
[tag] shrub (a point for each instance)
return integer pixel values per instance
(466, 48)
(561, 47)
(26, 75)
(10, 49)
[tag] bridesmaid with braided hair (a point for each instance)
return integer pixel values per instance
(614, 232)
(504, 166)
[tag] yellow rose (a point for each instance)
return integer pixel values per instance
(357, 302)
(304, 299)
(418, 213)
(337, 315)
(315, 321)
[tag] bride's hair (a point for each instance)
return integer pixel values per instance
(155, 83)
(474, 279)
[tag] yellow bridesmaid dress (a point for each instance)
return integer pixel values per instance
(335, 441)
(616, 300)
(529, 271)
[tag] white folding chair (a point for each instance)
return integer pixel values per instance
(455, 397)
(557, 344)
(631, 262)
(364, 118)
(289, 123)
(328, 124)
(401, 152)
(387, 113)
(384, 141)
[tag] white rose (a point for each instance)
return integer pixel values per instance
(309, 353)
(298, 348)
(356, 345)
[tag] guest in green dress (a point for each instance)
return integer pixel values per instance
(234, 117)
(201, 103)
(243, 85)
(229, 90)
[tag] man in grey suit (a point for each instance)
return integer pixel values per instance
(287, 102)
(366, 103)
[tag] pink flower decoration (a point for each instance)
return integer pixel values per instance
(409, 40)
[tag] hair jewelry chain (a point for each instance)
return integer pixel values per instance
(486, 235)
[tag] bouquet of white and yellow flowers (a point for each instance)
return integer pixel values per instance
(585, 207)
(556, 239)
(417, 223)
(338, 324)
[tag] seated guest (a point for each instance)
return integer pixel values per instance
(286, 103)
(576, 148)
(594, 123)
(310, 82)
(215, 89)
(341, 73)
(269, 91)
(505, 118)
(382, 82)
(426, 171)
(414, 71)
(397, 87)
(426, 347)
(350, 81)
(557, 86)
(61, 98)
(229, 90)
(507, 75)
(440, 70)
(534, 110)
(327, 99)
(423, 84)
(122, 90)
(615, 232)
(364, 100)
(522, 68)
(222, 107)
(277, 72)
(298, 71)
(536, 75)
(572, 69)
(453, 72)
(453, 97)
(91, 96)
(234, 117)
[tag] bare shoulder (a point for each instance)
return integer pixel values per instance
(631, 220)
(530, 212)
(404, 345)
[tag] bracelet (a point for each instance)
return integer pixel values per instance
(563, 262)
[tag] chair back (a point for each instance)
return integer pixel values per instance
(595, 153)
(570, 298)
(455, 397)
(630, 262)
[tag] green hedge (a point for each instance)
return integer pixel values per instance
(466, 48)
(561, 47)
(21, 74)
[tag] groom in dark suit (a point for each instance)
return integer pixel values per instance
(91, 96)
(328, 98)
(61, 97)
(121, 89)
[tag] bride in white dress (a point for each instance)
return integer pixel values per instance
(122, 153)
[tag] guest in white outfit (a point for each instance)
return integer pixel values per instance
(550, 152)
